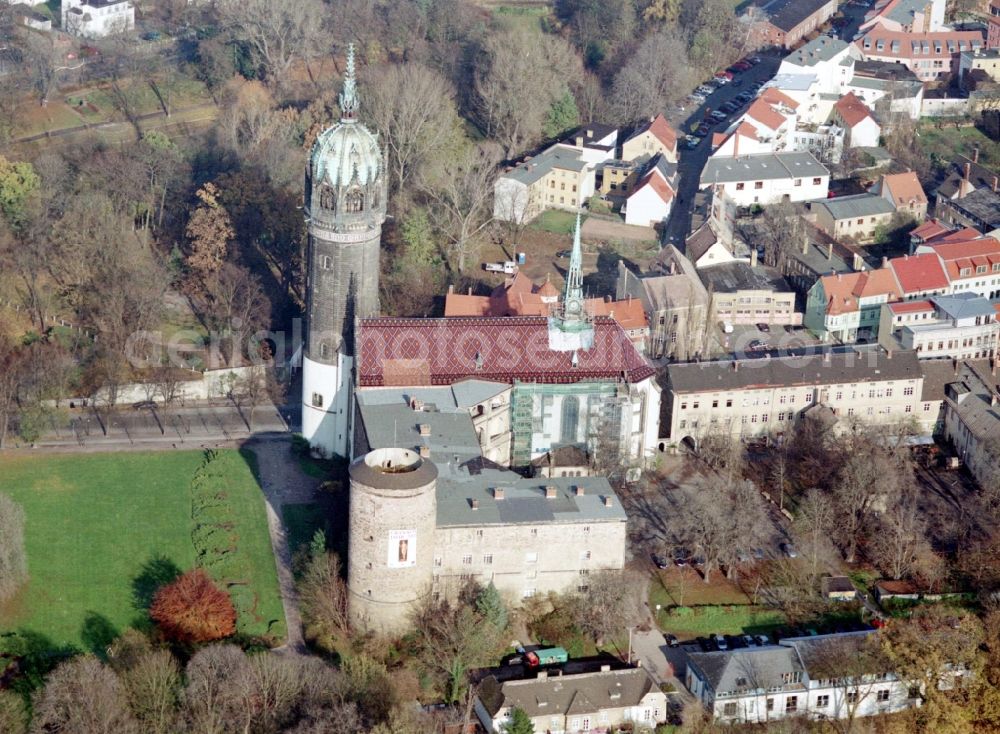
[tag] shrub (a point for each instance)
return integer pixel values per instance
(193, 609)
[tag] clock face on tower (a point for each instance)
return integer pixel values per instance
(573, 307)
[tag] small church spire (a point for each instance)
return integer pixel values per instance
(574, 277)
(349, 95)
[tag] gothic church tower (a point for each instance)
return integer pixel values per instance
(345, 200)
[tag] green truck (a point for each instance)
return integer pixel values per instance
(546, 656)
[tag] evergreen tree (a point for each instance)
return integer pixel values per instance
(563, 115)
(490, 606)
(519, 723)
(317, 546)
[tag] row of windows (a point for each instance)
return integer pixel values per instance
(822, 701)
(530, 557)
(740, 185)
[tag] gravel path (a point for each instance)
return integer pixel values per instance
(283, 482)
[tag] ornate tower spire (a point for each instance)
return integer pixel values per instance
(349, 94)
(573, 293)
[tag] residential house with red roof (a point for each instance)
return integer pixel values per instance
(847, 306)
(904, 192)
(650, 201)
(862, 129)
(656, 136)
(908, 16)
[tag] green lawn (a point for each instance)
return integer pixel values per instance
(104, 530)
(556, 221)
(947, 141)
(723, 620)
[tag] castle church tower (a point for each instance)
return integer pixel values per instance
(570, 327)
(345, 200)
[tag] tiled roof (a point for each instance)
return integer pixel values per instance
(402, 351)
(460, 304)
(852, 110)
(655, 181)
(628, 312)
(902, 307)
(775, 96)
(930, 231)
(959, 255)
(763, 113)
(855, 205)
(564, 695)
(902, 45)
(844, 290)
(663, 132)
(917, 273)
(905, 187)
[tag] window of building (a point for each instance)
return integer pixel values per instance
(715, 403)
(817, 181)
(798, 182)
(528, 593)
(354, 202)
(794, 677)
(531, 557)
(317, 400)
(852, 696)
(758, 184)
(585, 556)
(907, 391)
(883, 695)
(770, 704)
(740, 185)
(729, 709)
(583, 588)
(791, 704)
(822, 701)
(467, 559)
(488, 559)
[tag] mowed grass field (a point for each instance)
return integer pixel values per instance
(103, 530)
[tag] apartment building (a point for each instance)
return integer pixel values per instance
(786, 22)
(847, 306)
(862, 128)
(972, 418)
(656, 136)
(97, 18)
(749, 293)
(930, 56)
(758, 396)
(767, 178)
(650, 201)
(909, 16)
(857, 217)
(979, 209)
(904, 192)
(795, 678)
(962, 326)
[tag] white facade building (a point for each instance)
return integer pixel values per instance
(963, 326)
(768, 178)
(799, 677)
(97, 18)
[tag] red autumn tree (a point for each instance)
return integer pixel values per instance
(193, 609)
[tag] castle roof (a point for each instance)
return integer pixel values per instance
(403, 351)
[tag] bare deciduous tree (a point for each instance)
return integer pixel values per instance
(518, 78)
(609, 604)
(462, 196)
(413, 108)
(900, 540)
(83, 696)
(280, 31)
(653, 78)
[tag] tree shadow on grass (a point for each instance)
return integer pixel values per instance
(156, 572)
(26, 657)
(97, 633)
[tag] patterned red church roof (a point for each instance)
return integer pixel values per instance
(412, 351)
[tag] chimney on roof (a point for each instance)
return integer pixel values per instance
(673, 268)
(550, 492)
(608, 501)
(839, 277)
(995, 181)
(475, 504)
(736, 365)
(416, 403)
(954, 365)
(885, 261)
(888, 354)
(451, 288)
(579, 491)
(470, 290)
(829, 251)
(805, 245)
(975, 154)
(498, 493)
(425, 429)
(968, 170)
(826, 357)
(753, 256)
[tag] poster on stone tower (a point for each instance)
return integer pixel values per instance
(402, 548)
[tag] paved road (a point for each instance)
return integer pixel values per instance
(283, 482)
(693, 161)
(192, 426)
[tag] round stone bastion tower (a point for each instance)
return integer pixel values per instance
(393, 514)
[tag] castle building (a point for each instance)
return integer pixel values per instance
(436, 412)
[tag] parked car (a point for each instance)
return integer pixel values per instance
(762, 639)
(789, 550)
(719, 115)
(703, 89)
(727, 75)
(691, 142)
(702, 130)
(750, 641)
(660, 562)
(672, 640)
(681, 557)
(763, 327)
(742, 65)
(564, 253)
(720, 642)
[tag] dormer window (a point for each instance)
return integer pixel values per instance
(354, 202)
(964, 271)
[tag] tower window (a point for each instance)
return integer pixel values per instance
(324, 351)
(326, 262)
(317, 400)
(354, 202)
(327, 197)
